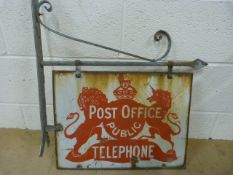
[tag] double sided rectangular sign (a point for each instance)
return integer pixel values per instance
(121, 120)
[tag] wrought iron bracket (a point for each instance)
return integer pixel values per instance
(36, 6)
(157, 36)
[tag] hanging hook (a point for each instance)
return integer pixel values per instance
(170, 67)
(78, 73)
(78, 70)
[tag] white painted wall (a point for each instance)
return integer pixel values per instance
(199, 29)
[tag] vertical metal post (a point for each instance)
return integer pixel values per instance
(40, 74)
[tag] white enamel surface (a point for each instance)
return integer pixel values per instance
(67, 88)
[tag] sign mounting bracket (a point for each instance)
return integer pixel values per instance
(37, 23)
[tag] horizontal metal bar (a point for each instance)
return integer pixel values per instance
(196, 64)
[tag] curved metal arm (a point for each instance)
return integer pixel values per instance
(157, 36)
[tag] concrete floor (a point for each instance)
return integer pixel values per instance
(19, 148)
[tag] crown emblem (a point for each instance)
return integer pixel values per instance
(125, 90)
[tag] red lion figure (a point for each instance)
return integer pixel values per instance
(163, 99)
(87, 97)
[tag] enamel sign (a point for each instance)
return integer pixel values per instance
(121, 120)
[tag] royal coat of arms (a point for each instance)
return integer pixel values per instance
(122, 120)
